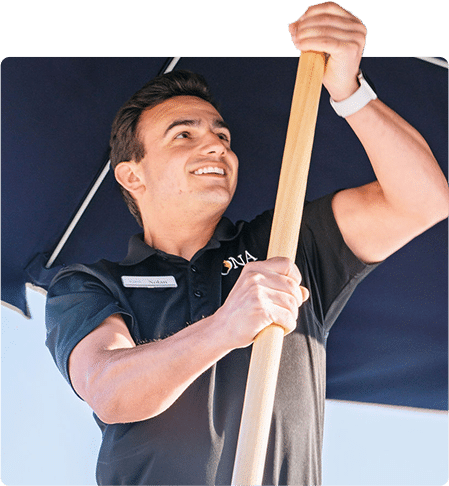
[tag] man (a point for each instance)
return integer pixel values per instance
(159, 345)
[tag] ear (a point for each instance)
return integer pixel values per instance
(129, 176)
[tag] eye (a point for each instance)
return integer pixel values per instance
(224, 136)
(183, 135)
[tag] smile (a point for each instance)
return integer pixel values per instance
(210, 170)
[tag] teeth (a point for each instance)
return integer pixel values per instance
(209, 170)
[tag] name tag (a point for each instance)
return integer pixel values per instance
(149, 282)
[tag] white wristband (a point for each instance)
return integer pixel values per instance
(356, 101)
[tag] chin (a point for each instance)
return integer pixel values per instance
(217, 203)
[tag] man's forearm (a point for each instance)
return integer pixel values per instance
(409, 196)
(141, 382)
(409, 176)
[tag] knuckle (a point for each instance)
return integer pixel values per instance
(290, 325)
(354, 47)
(293, 304)
(249, 267)
(359, 37)
(294, 273)
(287, 263)
(293, 288)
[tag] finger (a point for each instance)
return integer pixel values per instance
(326, 17)
(305, 293)
(278, 278)
(290, 321)
(273, 268)
(284, 266)
(297, 295)
(336, 32)
(328, 8)
(337, 48)
(287, 295)
(327, 14)
(289, 326)
(284, 276)
(285, 319)
(329, 29)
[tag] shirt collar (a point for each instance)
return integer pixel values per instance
(138, 250)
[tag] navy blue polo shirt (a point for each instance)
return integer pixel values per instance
(194, 440)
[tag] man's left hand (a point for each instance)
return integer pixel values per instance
(331, 29)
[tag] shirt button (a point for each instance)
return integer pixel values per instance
(198, 293)
(193, 269)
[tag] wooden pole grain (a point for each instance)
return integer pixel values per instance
(267, 347)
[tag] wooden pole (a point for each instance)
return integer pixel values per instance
(267, 347)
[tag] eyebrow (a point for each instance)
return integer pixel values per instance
(217, 123)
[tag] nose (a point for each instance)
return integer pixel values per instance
(213, 144)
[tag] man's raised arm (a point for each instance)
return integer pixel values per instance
(411, 193)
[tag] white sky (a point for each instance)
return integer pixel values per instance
(50, 438)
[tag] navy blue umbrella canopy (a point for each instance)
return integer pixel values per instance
(390, 343)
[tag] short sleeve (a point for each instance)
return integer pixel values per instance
(330, 269)
(77, 303)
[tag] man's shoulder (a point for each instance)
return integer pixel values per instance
(106, 270)
(79, 275)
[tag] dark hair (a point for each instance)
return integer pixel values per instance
(125, 142)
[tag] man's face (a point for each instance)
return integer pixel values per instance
(188, 163)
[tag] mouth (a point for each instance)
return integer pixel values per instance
(210, 170)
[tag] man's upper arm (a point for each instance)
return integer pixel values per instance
(78, 302)
(90, 355)
(370, 228)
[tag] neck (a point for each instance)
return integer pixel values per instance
(181, 236)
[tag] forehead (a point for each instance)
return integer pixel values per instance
(159, 117)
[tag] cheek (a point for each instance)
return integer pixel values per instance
(236, 168)
(234, 160)
(167, 181)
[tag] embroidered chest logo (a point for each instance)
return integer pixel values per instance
(232, 263)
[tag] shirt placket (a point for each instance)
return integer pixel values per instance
(204, 277)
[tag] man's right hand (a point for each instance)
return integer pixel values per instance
(266, 292)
